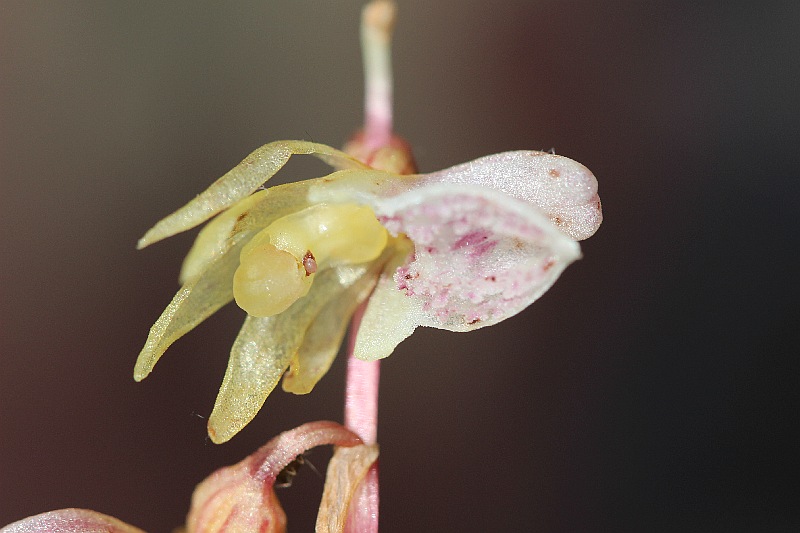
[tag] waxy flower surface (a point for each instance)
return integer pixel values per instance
(458, 249)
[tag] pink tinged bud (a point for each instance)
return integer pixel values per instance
(394, 156)
(70, 521)
(241, 497)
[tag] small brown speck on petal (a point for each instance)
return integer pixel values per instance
(309, 263)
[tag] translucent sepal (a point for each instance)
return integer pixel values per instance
(241, 181)
(263, 351)
(324, 336)
(199, 298)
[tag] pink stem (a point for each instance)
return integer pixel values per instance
(361, 395)
(361, 416)
(377, 23)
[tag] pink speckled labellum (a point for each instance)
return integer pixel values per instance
(489, 238)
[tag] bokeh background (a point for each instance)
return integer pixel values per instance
(652, 389)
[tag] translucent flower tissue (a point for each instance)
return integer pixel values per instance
(458, 249)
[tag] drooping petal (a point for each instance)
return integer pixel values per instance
(240, 182)
(241, 498)
(70, 521)
(347, 469)
(264, 349)
(258, 359)
(324, 336)
(480, 256)
(564, 189)
(200, 297)
(390, 316)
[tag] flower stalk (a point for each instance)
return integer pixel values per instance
(377, 24)
(363, 377)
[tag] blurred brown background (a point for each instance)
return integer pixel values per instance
(650, 390)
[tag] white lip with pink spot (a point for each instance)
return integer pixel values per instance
(479, 256)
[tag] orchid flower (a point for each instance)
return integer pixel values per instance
(241, 498)
(458, 249)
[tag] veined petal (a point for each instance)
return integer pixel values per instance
(258, 359)
(200, 297)
(240, 182)
(346, 470)
(324, 336)
(562, 188)
(263, 350)
(70, 521)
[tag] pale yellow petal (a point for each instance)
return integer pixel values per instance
(262, 352)
(240, 182)
(248, 216)
(215, 237)
(346, 470)
(258, 359)
(199, 298)
(390, 316)
(324, 337)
